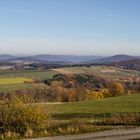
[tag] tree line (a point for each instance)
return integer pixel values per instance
(70, 88)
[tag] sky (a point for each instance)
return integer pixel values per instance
(71, 27)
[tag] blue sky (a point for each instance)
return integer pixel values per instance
(81, 27)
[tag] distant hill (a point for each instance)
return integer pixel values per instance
(129, 64)
(115, 58)
(50, 59)
(4, 57)
(64, 58)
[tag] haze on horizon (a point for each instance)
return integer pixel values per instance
(79, 27)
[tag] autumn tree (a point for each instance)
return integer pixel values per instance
(116, 89)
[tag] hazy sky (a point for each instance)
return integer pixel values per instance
(82, 27)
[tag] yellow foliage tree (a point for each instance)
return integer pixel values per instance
(116, 89)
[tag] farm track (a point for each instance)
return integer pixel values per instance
(115, 134)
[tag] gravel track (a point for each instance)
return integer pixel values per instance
(115, 134)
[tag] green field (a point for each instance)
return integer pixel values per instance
(90, 115)
(13, 87)
(15, 79)
(97, 108)
(12, 80)
(33, 74)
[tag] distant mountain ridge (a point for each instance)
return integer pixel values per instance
(115, 58)
(6, 57)
(67, 59)
(46, 58)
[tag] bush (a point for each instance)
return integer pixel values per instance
(116, 89)
(22, 119)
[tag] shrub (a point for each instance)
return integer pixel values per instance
(20, 118)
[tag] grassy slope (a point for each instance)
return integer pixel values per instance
(14, 79)
(14, 87)
(34, 74)
(98, 108)
(101, 71)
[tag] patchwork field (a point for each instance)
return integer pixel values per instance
(101, 71)
(33, 74)
(13, 80)
(16, 79)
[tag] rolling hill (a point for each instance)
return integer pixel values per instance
(133, 64)
(6, 57)
(66, 59)
(115, 58)
(50, 59)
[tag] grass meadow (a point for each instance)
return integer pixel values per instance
(96, 109)
(33, 74)
(21, 86)
(12, 80)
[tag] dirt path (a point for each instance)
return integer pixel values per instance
(115, 134)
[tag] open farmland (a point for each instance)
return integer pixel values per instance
(12, 80)
(16, 80)
(21, 86)
(33, 74)
(100, 71)
(96, 108)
